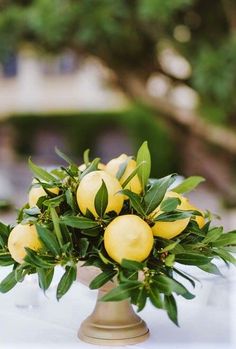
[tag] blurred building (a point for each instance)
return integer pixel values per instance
(30, 82)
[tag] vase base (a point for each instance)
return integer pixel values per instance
(113, 341)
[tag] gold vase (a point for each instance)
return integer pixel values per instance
(113, 323)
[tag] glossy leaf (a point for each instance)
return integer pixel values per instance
(66, 281)
(79, 222)
(190, 258)
(123, 291)
(171, 308)
(6, 259)
(131, 176)
(155, 296)
(64, 156)
(156, 193)
(131, 265)
(102, 279)
(226, 239)
(40, 172)
(86, 157)
(188, 184)
(168, 285)
(45, 277)
(92, 167)
(143, 156)
(49, 239)
(135, 201)
(122, 168)
(212, 235)
(169, 204)
(210, 268)
(101, 200)
(172, 216)
(8, 283)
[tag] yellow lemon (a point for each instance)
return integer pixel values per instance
(169, 230)
(128, 237)
(186, 205)
(89, 186)
(112, 167)
(20, 237)
(37, 192)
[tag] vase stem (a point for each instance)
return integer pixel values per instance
(113, 323)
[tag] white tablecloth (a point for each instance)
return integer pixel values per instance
(208, 321)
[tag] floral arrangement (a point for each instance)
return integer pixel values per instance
(135, 229)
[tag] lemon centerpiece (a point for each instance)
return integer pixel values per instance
(135, 229)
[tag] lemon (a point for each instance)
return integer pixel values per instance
(89, 186)
(169, 230)
(128, 237)
(112, 167)
(186, 205)
(37, 192)
(20, 237)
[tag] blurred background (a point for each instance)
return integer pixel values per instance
(107, 75)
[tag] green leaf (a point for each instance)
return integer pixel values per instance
(156, 193)
(8, 283)
(34, 211)
(210, 268)
(187, 277)
(64, 156)
(131, 265)
(101, 200)
(226, 239)
(171, 308)
(70, 200)
(102, 279)
(38, 261)
(83, 245)
(155, 296)
(169, 204)
(6, 259)
(139, 297)
(170, 247)
(170, 260)
(55, 220)
(79, 222)
(225, 255)
(172, 216)
(92, 167)
(188, 184)
(40, 172)
(123, 291)
(45, 277)
(135, 201)
(133, 173)
(49, 239)
(86, 157)
(143, 156)
(54, 202)
(122, 168)
(190, 258)
(167, 285)
(212, 235)
(66, 281)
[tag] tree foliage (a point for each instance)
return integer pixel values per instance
(130, 36)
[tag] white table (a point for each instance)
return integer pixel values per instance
(208, 321)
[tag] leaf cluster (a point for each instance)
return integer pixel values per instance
(69, 237)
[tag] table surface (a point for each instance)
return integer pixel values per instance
(208, 321)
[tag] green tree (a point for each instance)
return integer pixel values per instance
(130, 36)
